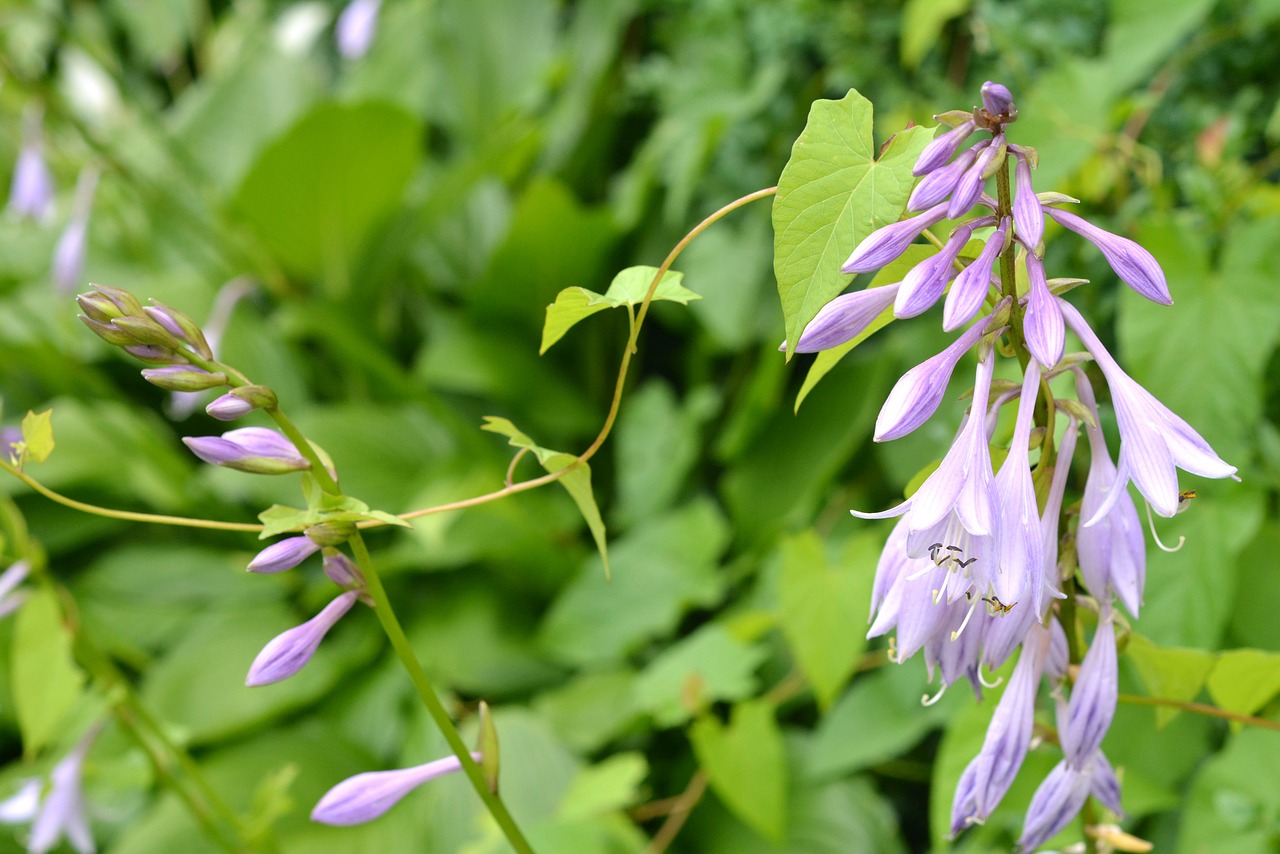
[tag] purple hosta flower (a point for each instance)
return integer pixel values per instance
(69, 254)
(916, 396)
(844, 318)
(1042, 324)
(1093, 697)
(973, 283)
(283, 555)
(1028, 215)
(988, 777)
(364, 797)
(997, 99)
(969, 187)
(11, 598)
(924, 284)
(888, 242)
(1111, 551)
(341, 570)
(1059, 798)
(942, 148)
(287, 653)
(1154, 443)
(1020, 572)
(356, 28)
(956, 650)
(229, 407)
(252, 449)
(31, 194)
(940, 183)
(58, 812)
(1135, 266)
(1051, 516)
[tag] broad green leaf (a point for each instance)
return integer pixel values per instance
(1244, 680)
(576, 482)
(746, 764)
(591, 710)
(669, 564)
(708, 666)
(881, 717)
(37, 435)
(1174, 674)
(613, 784)
(1234, 803)
(46, 679)
(832, 193)
(628, 288)
(314, 195)
(824, 605)
(922, 22)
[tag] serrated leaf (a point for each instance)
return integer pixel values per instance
(746, 764)
(1244, 680)
(824, 606)
(46, 679)
(577, 482)
(628, 288)
(827, 359)
(1176, 674)
(832, 193)
(631, 285)
(37, 435)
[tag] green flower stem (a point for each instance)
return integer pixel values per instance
(1008, 267)
(318, 469)
(126, 515)
(399, 642)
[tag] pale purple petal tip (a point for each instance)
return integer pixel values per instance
(1135, 266)
(888, 242)
(1044, 329)
(32, 192)
(941, 148)
(844, 318)
(365, 797)
(287, 653)
(917, 395)
(229, 407)
(1028, 215)
(971, 286)
(251, 449)
(283, 555)
(997, 99)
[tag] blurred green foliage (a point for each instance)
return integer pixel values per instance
(406, 219)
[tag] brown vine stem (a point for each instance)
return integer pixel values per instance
(619, 385)
(1200, 709)
(678, 814)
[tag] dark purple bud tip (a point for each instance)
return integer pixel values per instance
(997, 100)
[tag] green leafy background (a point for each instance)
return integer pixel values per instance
(409, 221)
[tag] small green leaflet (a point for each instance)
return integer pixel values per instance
(577, 482)
(628, 288)
(37, 436)
(832, 193)
(1238, 680)
(279, 519)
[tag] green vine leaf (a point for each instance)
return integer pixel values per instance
(37, 436)
(832, 193)
(627, 288)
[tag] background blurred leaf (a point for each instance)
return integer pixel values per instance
(46, 678)
(746, 764)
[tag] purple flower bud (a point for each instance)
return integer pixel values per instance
(287, 653)
(1021, 539)
(342, 570)
(1028, 215)
(113, 335)
(844, 318)
(971, 286)
(916, 396)
(31, 194)
(888, 242)
(970, 185)
(942, 148)
(940, 183)
(1135, 266)
(229, 407)
(1111, 551)
(356, 28)
(1154, 442)
(364, 797)
(69, 254)
(925, 282)
(1056, 802)
(106, 303)
(1042, 324)
(154, 355)
(180, 327)
(183, 378)
(252, 449)
(283, 555)
(997, 100)
(1093, 697)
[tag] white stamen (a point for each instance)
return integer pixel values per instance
(1151, 523)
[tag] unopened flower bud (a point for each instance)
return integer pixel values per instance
(342, 570)
(154, 355)
(287, 653)
(250, 449)
(364, 797)
(146, 331)
(330, 533)
(126, 304)
(283, 555)
(942, 148)
(183, 378)
(180, 326)
(998, 100)
(241, 401)
(113, 335)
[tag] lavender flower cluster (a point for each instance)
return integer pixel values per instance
(971, 571)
